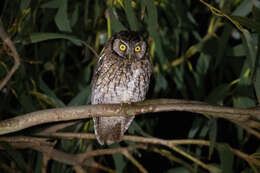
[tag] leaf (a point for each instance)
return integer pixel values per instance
(238, 50)
(51, 94)
(52, 4)
(250, 23)
(38, 164)
(212, 135)
(203, 64)
(244, 102)
(226, 158)
(256, 14)
(218, 94)
(81, 98)
(27, 102)
(39, 37)
(151, 19)
(196, 125)
(120, 163)
(136, 129)
(131, 18)
(243, 9)
(75, 15)
(249, 45)
(161, 83)
(116, 25)
(223, 45)
(61, 18)
(25, 4)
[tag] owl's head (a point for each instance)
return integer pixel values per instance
(129, 44)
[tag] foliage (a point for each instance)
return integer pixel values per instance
(200, 51)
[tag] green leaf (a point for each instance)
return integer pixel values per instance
(52, 4)
(136, 129)
(257, 72)
(75, 15)
(51, 94)
(251, 50)
(151, 19)
(81, 98)
(223, 44)
(218, 94)
(249, 23)
(39, 37)
(243, 9)
(196, 126)
(161, 83)
(256, 14)
(131, 18)
(226, 158)
(61, 18)
(203, 64)
(24, 4)
(238, 50)
(27, 102)
(119, 162)
(212, 135)
(116, 25)
(243, 102)
(38, 165)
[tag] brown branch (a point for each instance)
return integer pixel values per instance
(247, 117)
(7, 42)
(168, 143)
(76, 160)
(134, 161)
(83, 159)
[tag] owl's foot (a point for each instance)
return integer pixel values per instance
(126, 102)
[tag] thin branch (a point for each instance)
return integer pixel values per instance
(168, 143)
(168, 155)
(85, 156)
(7, 41)
(83, 159)
(238, 115)
(134, 161)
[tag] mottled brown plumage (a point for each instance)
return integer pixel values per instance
(122, 75)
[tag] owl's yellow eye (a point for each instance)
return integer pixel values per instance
(137, 49)
(122, 47)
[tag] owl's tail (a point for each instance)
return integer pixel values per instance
(111, 129)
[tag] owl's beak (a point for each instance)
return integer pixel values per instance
(129, 56)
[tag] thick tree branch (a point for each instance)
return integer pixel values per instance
(8, 42)
(248, 117)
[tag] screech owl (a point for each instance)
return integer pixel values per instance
(122, 75)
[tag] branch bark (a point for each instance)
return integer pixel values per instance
(249, 118)
(8, 42)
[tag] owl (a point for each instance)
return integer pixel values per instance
(122, 75)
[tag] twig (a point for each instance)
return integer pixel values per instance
(134, 161)
(7, 41)
(83, 159)
(168, 143)
(168, 155)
